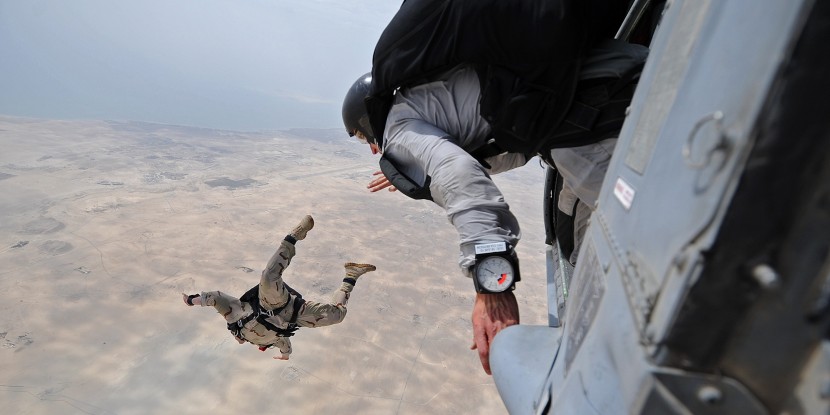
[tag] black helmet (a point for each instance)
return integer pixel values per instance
(355, 116)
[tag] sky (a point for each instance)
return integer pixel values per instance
(247, 65)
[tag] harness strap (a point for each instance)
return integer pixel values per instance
(236, 326)
(261, 315)
(298, 303)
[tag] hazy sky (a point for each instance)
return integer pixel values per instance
(241, 64)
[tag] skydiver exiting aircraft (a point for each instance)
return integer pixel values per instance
(448, 108)
(269, 313)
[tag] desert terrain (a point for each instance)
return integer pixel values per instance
(104, 224)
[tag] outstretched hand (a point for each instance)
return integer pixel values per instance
(196, 300)
(281, 357)
(380, 183)
(491, 314)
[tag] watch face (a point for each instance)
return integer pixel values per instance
(495, 273)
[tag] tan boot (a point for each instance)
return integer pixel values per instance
(355, 270)
(302, 228)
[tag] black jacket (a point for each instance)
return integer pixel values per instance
(527, 54)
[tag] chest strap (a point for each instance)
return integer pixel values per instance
(261, 315)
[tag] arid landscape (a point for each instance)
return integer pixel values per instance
(104, 224)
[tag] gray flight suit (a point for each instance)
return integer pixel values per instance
(433, 127)
(273, 295)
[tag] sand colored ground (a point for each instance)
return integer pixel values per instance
(104, 224)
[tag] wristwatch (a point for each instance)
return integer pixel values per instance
(496, 269)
